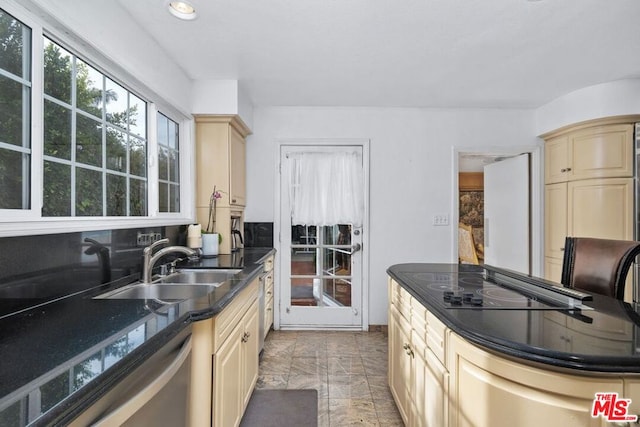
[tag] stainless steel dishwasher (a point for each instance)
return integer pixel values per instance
(155, 393)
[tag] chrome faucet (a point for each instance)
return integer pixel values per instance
(149, 260)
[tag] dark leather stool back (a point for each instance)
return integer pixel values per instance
(598, 265)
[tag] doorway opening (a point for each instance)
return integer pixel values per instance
(469, 206)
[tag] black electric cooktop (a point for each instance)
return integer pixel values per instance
(473, 290)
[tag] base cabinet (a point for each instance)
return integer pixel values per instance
(417, 378)
(487, 390)
(444, 380)
(225, 362)
(235, 371)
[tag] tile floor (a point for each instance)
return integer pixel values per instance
(349, 370)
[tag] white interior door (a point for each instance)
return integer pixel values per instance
(507, 214)
(321, 266)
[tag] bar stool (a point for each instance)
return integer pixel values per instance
(598, 265)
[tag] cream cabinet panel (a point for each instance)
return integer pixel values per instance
(228, 385)
(251, 353)
(237, 168)
(555, 214)
(556, 159)
(602, 151)
(399, 363)
(593, 152)
(487, 390)
(601, 208)
(553, 269)
(632, 391)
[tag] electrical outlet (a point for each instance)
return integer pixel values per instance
(441, 219)
(145, 239)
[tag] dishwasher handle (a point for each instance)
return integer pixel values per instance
(121, 414)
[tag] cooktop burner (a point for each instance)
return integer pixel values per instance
(464, 290)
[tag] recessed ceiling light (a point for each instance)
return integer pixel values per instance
(182, 10)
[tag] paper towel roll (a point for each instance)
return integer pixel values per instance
(194, 230)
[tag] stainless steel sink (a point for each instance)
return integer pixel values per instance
(160, 291)
(199, 276)
(181, 285)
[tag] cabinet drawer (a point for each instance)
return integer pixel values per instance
(419, 319)
(436, 337)
(268, 316)
(227, 319)
(268, 264)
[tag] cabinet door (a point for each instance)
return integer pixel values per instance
(555, 219)
(603, 151)
(601, 208)
(556, 159)
(491, 391)
(227, 380)
(237, 168)
(553, 269)
(250, 352)
(430, 388)
(399, 363)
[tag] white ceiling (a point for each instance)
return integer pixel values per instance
(407, 53)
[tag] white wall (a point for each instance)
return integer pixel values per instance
(411, 172)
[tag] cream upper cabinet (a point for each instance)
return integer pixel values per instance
(593, 152)
(220, 159)
(589, 186)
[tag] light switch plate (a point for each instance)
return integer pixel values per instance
(441, 219)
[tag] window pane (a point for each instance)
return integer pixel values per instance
(11, 110)
(15, 44)
(57, 130)
(116, 99)
(57, 189)
(173, 135)
(137, 157)
(57, 71)
(88, 141)
(116, 150)
(163, 197)
(174, 200)
(54, 391)
(138, 198)
(163, 163)
(14, 170)
(89, 82)
(137, 116)
(88, 192)
(116, 195)
(174, 166)
(163, 129)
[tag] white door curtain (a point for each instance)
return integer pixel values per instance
(326, 188)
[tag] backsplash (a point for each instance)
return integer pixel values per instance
(46, 266)
(258, 234)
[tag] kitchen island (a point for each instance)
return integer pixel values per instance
(504, 359)
(60, 357)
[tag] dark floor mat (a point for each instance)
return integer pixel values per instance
(282, 408)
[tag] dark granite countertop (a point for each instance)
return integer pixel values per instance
(69, 351)
(605, 339)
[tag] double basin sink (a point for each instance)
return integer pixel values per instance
(181, 285)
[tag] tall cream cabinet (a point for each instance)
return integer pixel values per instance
(221, 162)
(588, 186)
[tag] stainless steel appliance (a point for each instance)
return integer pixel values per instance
(155, 393)
(236, 234)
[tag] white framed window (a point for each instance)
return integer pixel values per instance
(80, 147)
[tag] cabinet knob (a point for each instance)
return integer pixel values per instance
(233, 200)
(563, 170)
(405, 346)
(568, 169)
